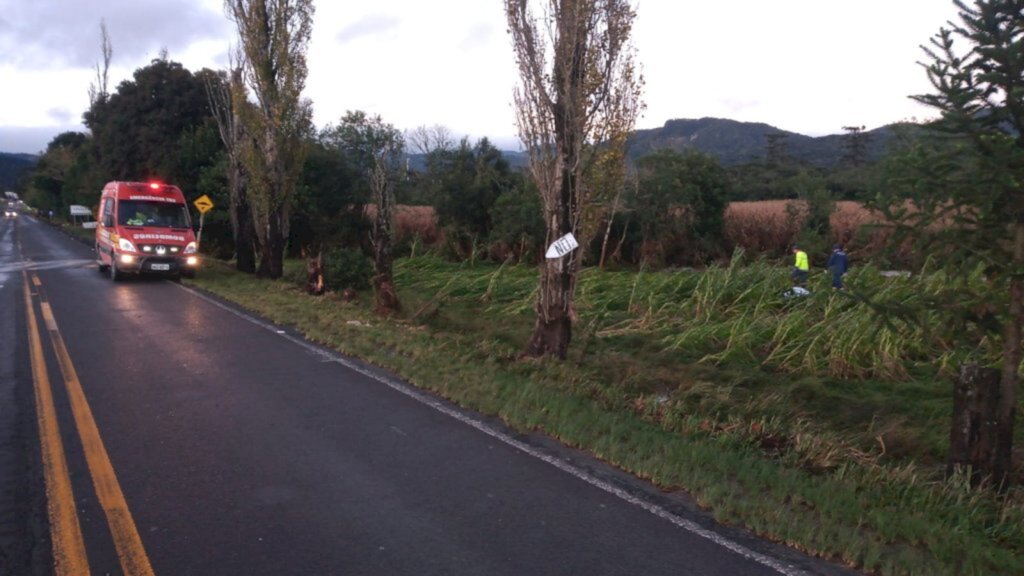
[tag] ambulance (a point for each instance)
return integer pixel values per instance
(144, 227)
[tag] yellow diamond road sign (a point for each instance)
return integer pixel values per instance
(203, 204)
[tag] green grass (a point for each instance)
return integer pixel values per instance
(709, 382)
(86, 234)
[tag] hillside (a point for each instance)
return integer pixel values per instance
(734, 142)
(11, 167)
(730, 141)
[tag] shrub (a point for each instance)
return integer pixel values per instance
(347, 268)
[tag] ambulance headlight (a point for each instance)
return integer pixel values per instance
(127, 259)
(190, 248)
(125, 245)
(192, 261)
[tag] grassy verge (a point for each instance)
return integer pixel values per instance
(707, 382)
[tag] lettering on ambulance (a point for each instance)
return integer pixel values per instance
(159, 237)
(153, 199)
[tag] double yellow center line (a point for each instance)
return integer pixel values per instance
(69, 553)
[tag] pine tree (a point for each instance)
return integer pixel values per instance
(960, 192)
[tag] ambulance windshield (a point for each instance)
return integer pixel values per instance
(154, 214)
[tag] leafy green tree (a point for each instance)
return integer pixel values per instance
(54, 178)
(376, 150)
(197, 148)
(329, 204)
(764, 180)
(466, 181)
(855, 146)
(517, 226)
(960, 192)
(137, 129)
(683, 197)
(777, 152)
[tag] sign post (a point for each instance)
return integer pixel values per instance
(562, 246)
(204, 205)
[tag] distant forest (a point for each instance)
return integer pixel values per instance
(728, 141)
(733, 143)
(12, 166)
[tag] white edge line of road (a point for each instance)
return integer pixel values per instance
(419, 396)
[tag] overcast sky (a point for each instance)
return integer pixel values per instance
(806, 66)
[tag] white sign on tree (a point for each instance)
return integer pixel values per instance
(562, 246)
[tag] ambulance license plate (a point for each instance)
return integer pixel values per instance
(160, 267)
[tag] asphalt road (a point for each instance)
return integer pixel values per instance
(223, 445)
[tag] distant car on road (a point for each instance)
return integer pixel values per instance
(10, 212)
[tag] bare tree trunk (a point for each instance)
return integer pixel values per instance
(98, 91)
(973, 436)
(386, 300)
(608, 230)
(271, 243)
(314, 273)
(1011, 364)
(242, 229)
(552, 330)
(226, 98)
(617, 253)
(604, 242)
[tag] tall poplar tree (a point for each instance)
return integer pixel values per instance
(578, 89)
(225, 92)
(273, 36)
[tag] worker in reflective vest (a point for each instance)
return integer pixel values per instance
(801, 268)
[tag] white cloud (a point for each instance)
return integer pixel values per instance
(53, 34)
(60, 116)
(807, 66)
(370, 26)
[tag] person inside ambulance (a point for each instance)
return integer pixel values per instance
(138, 220)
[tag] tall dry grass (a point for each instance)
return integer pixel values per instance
(772, 225)
(767, 226)
(412, 222)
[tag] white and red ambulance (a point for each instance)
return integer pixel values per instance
(144, 227)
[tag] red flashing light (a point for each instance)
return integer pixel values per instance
(154, 185)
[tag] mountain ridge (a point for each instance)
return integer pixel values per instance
(12, 165)
(731, 142)
(734, 142)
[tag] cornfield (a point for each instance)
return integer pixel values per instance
(763, 227)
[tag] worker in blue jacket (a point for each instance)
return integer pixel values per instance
(838, 264)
